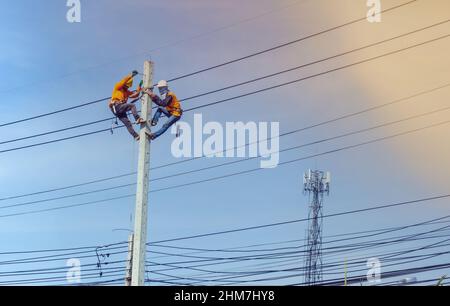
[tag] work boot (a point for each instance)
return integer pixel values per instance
(140, 121)
(149, 135)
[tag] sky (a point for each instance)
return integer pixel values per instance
(48, 64)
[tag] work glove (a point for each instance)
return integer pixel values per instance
(139, 88)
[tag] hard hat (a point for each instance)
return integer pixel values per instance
(129, 84)
(162, 83)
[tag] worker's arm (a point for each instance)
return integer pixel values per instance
(122, 83)
(159, 101)
(134, 95)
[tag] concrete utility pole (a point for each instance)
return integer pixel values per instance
(315, 184)
(129, 260)
(140, 223)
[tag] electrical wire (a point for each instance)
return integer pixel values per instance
(215, 66)
(195, 158)
(239, 96)
(228, 163)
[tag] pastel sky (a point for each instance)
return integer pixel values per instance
(47, 63)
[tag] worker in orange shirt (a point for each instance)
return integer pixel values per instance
(119, 105)
(169, 105)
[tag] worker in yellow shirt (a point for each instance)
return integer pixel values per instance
(119, 105)
(169, 105)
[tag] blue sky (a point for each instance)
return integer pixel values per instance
(47, 64)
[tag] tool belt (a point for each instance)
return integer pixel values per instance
(113, 104)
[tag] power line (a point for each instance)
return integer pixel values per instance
(391, 256)
(241, 83)
(255, 273)
(56, 131)
(328, 250)
(233, 174)
(385, 242)
(55, 112)
(50, 259)
(63, 268)
(51, 272)
(299, 254)
(195, 158)
(179, 41)
(58, 279)
(213, 67)
(211, 167)
(259, 272)
(68, 187)
(379, 232)
(228, 163)
(306, 219)
(320, 74)
(285, 44)
(67, 196)
(239, 249)
(415, 258)
(314, 62)
(242, 95)
(389, 274)
(304, 145)
(92, 248)
(363, 245)
(57, 256)
(301, 158)
(234, 272)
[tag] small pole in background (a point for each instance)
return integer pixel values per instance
(129, 261)
(345, 273)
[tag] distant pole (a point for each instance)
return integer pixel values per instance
(129, 261)
(140, 225)
(315, 184)
(345, 273)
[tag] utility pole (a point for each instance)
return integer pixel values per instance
(140, 223)
(129, 261)
(315, 184)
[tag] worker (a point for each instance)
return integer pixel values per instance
(120, 107)
(169, 105)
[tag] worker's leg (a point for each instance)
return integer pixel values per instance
(171, 121)
(131, 108)
(120, 111)
(128, 125)
(158, 114)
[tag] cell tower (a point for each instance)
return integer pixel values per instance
(315, 184)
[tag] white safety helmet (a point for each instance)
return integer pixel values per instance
(162, 83)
